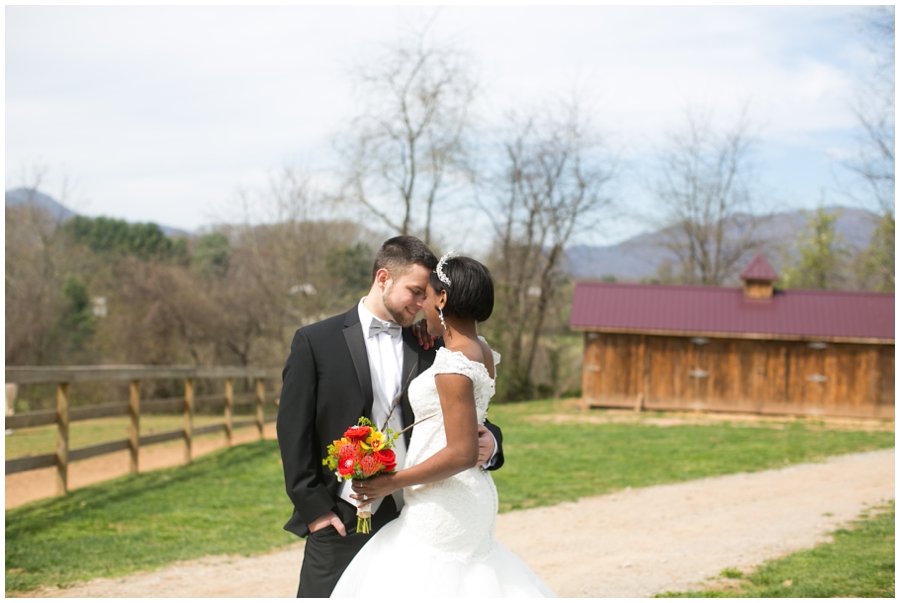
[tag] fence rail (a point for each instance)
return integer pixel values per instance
(63, 416)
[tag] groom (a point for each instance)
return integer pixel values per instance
(340, 369)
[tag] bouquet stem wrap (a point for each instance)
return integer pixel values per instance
(364, 519)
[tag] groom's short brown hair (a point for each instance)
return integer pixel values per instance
(399, 254)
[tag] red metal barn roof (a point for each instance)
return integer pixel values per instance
(793, 313)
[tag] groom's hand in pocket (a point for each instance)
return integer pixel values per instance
(325, 520)
(487, 446)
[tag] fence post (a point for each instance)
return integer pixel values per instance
(62, 438)
(134, 410)
(229, 403)
(188, 420)
(260, 400)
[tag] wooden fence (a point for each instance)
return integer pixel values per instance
(63, 415)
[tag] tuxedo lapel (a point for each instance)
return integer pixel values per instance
(356, 343)
(410, 360)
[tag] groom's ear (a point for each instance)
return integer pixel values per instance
(382, 277)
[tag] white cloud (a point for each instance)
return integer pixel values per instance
(163, 112)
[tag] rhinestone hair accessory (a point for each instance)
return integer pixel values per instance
(440, 267)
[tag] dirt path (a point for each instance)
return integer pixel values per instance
(634, 543)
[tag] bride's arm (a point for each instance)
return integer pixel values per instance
(457, 397)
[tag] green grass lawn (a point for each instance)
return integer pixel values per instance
(859, 563)
(549, 463)
(232, 501)
(29, 441)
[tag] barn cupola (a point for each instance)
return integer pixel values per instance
(758, 278)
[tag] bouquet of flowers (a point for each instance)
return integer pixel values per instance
(362, 452)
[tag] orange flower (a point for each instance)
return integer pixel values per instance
(347, 450)
(370, 465)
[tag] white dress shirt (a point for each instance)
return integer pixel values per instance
(385, 359)
(385, 355)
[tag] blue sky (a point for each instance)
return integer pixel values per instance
(165, 113)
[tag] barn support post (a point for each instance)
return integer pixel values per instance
(874, 380)
(830, 395)
(589, 352)
(759, 369)
(644, 364)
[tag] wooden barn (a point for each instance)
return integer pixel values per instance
(751, 349)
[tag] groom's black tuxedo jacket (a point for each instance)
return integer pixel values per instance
(327, 388)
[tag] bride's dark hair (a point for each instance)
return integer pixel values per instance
(471, 290)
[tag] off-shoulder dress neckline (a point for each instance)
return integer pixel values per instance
(475, 362)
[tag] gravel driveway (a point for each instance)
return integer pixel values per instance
(633, 543)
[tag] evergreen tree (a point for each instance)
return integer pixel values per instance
(822, 254)
(108, 235)
(76, 324)
(875, 264)
(350, 269)
(211, 254)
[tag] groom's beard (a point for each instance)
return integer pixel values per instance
(398, 314)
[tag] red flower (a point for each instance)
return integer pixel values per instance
(387, 458)
(345, 466)
(357, 432)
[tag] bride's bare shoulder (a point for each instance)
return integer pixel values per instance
(476, 350)
(487, 356)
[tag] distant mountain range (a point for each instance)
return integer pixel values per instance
(634, 260)
(23, 196)
(640, 257)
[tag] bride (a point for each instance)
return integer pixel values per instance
(443, 542)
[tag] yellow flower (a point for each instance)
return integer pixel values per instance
(375, 441)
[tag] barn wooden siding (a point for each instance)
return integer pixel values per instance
(769, 376)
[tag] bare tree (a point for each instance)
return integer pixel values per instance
(874, 266)
(874, 110)
(36, 265)
(554, 183)
(290, 237)
(704, 187)
(404, 147)
(874, 164)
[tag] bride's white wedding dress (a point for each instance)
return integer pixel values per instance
(442, 545)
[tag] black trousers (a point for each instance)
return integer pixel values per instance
(328, 553)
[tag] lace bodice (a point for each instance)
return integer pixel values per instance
(454, 517)
(428, 436)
